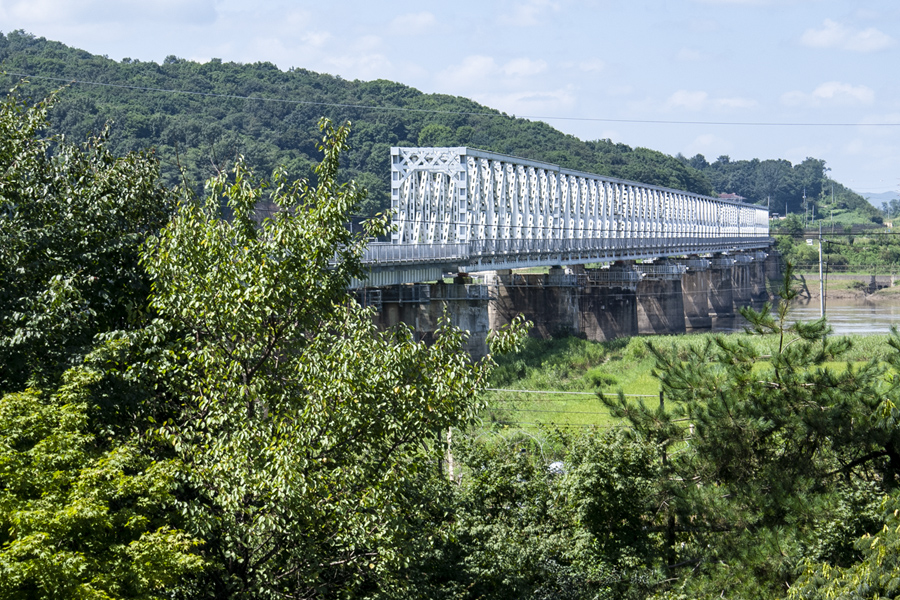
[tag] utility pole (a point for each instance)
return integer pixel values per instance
(832, 208)
(805, 210)
(821, 278)
(670, 521)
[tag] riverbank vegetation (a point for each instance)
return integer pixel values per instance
(192, 407)
(557, 382)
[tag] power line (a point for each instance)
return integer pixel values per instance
(569, 393)
(72, 81)
(555, 412)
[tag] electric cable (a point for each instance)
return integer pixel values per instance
(494, 114)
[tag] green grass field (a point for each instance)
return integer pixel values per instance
(556, 382)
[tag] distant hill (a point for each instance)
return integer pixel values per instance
(270, 116)
(781, 185)
(877, 200)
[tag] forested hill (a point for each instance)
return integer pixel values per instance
(782, 186)
(223, 109)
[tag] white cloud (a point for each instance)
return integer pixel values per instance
(699, 100)
(360, 65)
(478, 70)
(316, 39)
(529, 13)
(472, 70)
(688, 100)
(836, 35)
(413, 23)
(531, 103)
(708, 145)
(594, 65)
(367, 43)
(830, 93)
(84, 12)
(523, 67)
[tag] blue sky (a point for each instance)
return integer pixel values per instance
(746, 78)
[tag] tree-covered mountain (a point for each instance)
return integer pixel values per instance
(200, 116)
(782, 186)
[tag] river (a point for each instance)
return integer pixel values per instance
(845, 316)
(853, 316)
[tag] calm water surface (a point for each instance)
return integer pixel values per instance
(853, 316)
(846, 317)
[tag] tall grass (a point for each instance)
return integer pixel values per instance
(527, 384)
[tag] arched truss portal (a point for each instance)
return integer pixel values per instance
(481, 209)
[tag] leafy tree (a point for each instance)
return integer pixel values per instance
(304, 428)
(85, 514)
(514, 526)
(86, 499)
(768, 449)
(875, 575)
(72, 219)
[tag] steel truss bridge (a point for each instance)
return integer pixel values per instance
(472, 210)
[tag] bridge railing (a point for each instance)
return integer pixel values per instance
(387, 253)
(479, 251)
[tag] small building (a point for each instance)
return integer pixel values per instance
(732, 197)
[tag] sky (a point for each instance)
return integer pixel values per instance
(744, 78)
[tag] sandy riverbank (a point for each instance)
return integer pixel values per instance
(852, 288)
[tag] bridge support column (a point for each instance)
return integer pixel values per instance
(467, 305)
(422, 306)
(608, 303)
(774, 265)
(721, 296)
(759, 293)
(695, 286)
(549, 301)
(399, 304)
(660, 304)
(740, 281)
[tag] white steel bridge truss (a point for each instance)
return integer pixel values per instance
(479, 210)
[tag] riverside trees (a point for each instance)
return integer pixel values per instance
(776, 464)
(87, 507)
(305, 432)
(240, 431)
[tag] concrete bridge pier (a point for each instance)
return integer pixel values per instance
(467, 305)
(660, 304)
(740, 281)
(421, 307)
(774, 265)
(608, 302)
(549, 301)
(759, 293)
(721, 291)
(695, 286)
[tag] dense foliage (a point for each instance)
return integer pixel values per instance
(87, 504)
(803, 189)
(240, 429)
(267, 116)
(775, 462)
(72, 225)
(843, 248)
